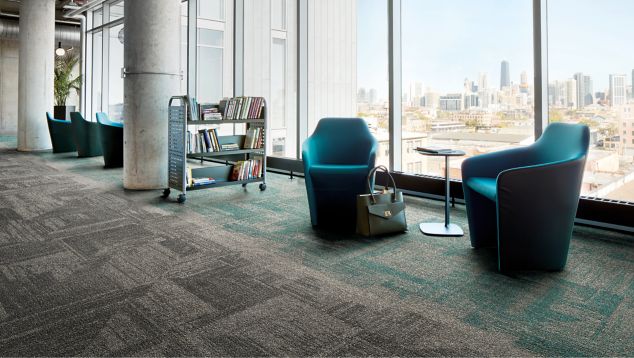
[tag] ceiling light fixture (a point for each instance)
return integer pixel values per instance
(60, 51)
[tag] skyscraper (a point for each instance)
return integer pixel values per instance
(524, 82)
(483, 82)
(617, 90)
(505, 77)
(580, 87)
(587, 90)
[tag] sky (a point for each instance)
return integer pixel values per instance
(446, 41)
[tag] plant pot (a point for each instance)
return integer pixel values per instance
(63, 112)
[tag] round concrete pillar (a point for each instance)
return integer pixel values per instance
(35, 74)
(151, 60)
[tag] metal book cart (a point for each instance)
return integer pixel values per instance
(217, 165)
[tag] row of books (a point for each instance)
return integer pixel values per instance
(205, 141)
(247, 169)
(254, 138)
(191, 181)
(242, 107)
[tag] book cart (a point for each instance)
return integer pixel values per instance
(216, 164)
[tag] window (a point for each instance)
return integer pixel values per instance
(116, 11)
(467, 69)
(97, 62)
(210, 65)
(348, 64)
(214, 58)
(584, 63)
(278, 14)
(97, 18)
(115, 82)
(270, 68)
(211, 9)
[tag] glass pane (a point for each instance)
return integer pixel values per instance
(97, 17)
(209, 74)
(468, 89)
(116, 11)
(349, 77)
(278, 14)
(211, 9)
(372, 72)
(589, 83)
(97, 62)
(115, 64)
(210, 37)
(278, 84)
(271, 72)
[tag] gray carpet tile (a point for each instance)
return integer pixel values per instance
(90, 269)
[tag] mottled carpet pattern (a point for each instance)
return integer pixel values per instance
(87, 268)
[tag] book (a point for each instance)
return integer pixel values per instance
(203, 181)
(434, 150)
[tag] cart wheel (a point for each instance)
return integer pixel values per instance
(244, 185)
(181, 198)
(262, 187)
(166, 193)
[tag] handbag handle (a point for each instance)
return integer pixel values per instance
(373, 174)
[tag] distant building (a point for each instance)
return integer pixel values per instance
(372, 96)
(483, 82)
(362, 95)
(616, 93)
(524, 82)
(571, 93)
(505, 76)
(584, 90)
(451, 102)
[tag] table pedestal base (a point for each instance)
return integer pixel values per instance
(439, 229)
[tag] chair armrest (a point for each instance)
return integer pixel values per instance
(536, 208)
(491, 164)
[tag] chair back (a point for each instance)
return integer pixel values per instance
(563, 141)
(341, 141)
(102, 118)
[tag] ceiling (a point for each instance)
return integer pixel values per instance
(12, 8)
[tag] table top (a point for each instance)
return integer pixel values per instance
(452, 153)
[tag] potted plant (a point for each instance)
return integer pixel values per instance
(64, 83)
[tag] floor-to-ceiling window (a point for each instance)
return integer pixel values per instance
(348, 64)
(590, 65)
(467, 79)
(467, 73)
(214, 55)
(270, 68)
(105, 36)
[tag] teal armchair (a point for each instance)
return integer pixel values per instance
(524, 200)
(337, 158)
(61, 134)
(86, 136)
(111, 134)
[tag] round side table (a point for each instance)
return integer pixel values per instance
(446, 228)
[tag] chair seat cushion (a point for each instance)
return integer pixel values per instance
(113, 124)
(485, 186)
(327, 175)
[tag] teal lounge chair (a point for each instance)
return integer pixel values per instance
(86, 136)
(111, 134)
(524, 200)
(337, 159)
(61, 134)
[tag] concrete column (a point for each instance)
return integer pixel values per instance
(151, 59)
(35, 74)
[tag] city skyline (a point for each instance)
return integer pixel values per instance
(453, 30)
